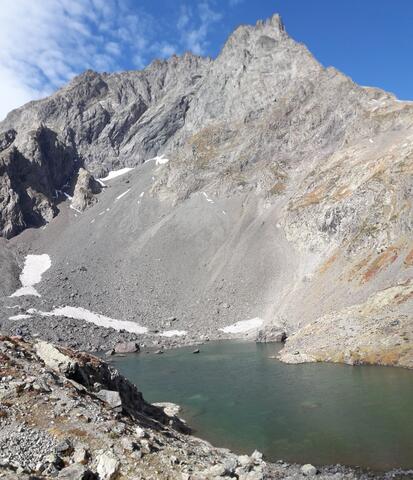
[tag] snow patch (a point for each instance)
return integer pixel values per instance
(113, 174)
(243, 326)
(75, 209)
(207, 198)
(174, 333)
(26, 291)
(162, 160)
(122, 195)
(79, 313)
(21, 316)
(159, 160)
(101, 183)
(33, 269)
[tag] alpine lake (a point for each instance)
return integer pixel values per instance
(237, 395)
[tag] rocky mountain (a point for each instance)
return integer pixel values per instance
(278, 190)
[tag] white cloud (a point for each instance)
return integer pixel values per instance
(13, 92)
(43, 44)
(195, 38)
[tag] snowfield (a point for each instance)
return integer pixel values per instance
(159, 160)
(243, 326)
(33, 269)
(79, 313)
(115, 173)
(21, 316)
(174, 333)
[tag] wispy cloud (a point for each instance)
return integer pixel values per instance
(194, 26)
(43, 44)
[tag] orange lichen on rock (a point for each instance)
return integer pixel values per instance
(342, 192)
(382, 261)
(311, 198)
(358, 267)
(328, 263)
(277, 188)
(408, 261)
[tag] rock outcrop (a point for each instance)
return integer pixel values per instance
(86, 189)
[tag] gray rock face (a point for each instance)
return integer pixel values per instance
(9, 268)
(86, 188)
(288, 191)
(32, 167)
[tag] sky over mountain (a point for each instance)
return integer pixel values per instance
(44, 44)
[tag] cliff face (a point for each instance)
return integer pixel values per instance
(288, 189)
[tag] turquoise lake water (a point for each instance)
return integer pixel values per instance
(235, 396)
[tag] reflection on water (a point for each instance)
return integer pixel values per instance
(234, 395)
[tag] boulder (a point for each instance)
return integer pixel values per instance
(170, 409)
(111, 397)
(126, 347)
(64, 448)
(107, 466)
(85, 190)
(54, 358)
(76, 471)
(271, 333)
(256, 456)
(81, 454)
(308, 470)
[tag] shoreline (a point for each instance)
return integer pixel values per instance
(324, 471)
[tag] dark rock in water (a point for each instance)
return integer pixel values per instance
(127, 347)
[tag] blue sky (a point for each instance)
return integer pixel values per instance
(44, 43)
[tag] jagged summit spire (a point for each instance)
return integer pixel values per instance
(274, 21)
(272, 27)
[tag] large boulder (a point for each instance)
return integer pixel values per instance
(76, 471)
(86, 188)
(107, 466)
(110, 397)
(54, 358)
(271, 333)
(126, 347)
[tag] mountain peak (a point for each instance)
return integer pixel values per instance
(274, 21)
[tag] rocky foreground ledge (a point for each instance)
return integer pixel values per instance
(68, 415)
